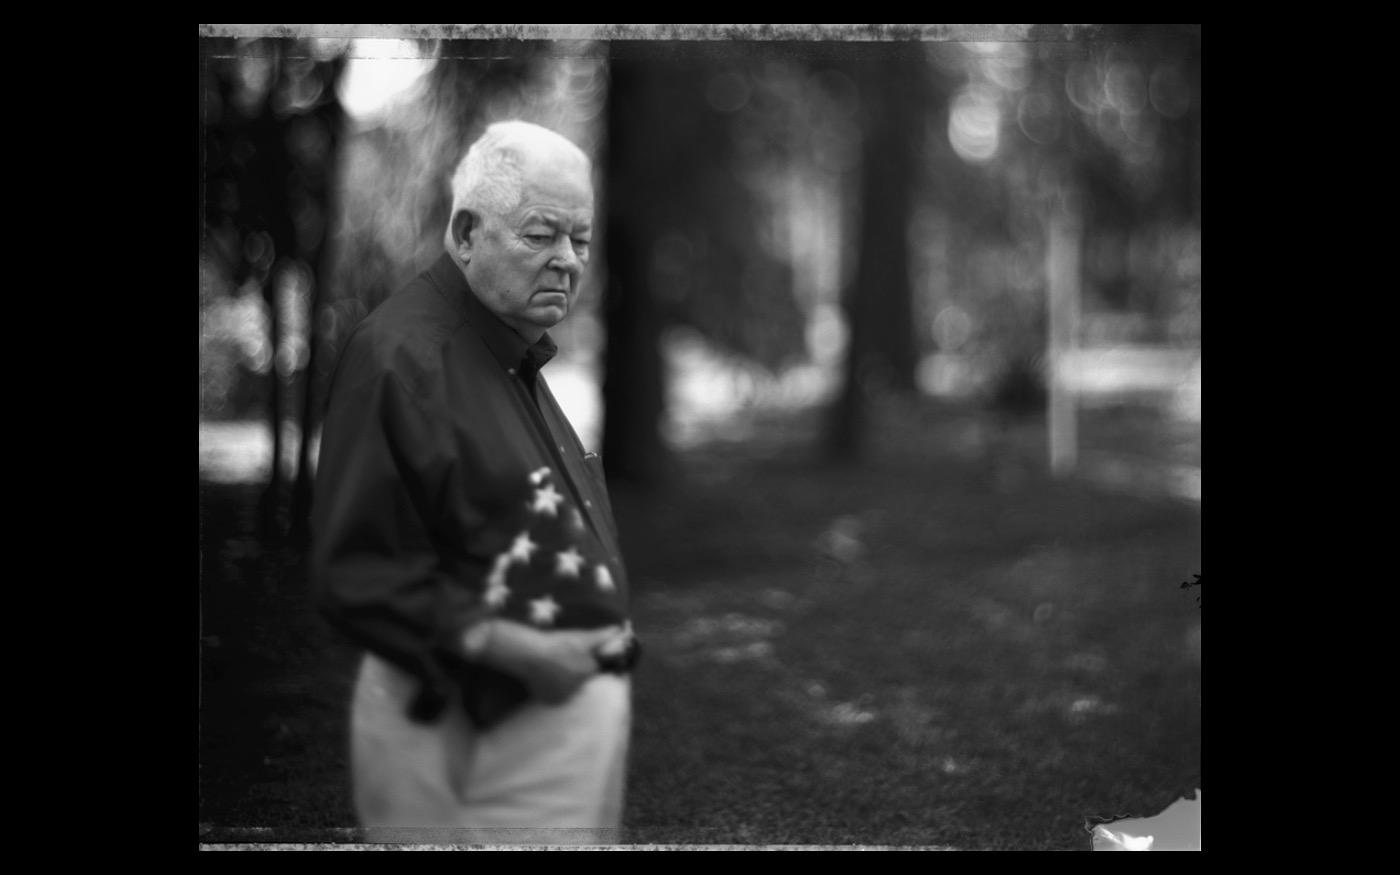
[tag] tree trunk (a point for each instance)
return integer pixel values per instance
(272, 494)
(633, 375)
(320, 256)
(881, 353)
(267, 184)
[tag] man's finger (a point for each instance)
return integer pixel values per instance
(606, 634)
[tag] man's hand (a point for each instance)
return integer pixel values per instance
(552, 663)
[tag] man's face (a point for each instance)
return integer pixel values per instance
(526, 264)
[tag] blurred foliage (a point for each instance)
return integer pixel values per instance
(270, 126)
(269, 122)
(707, 192)
(233, 346)
(699, 166)
(749, 187)
(1106, 123)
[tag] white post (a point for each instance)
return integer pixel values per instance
(1062, 275)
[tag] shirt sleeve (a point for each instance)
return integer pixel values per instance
(377, 575)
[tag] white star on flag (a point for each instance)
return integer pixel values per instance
(496, 594)
(523, 547)
(546, 500)
(537, 476)
(497, 577)
(496, 590)
(542, 610)
(603, 577)
(567, 563)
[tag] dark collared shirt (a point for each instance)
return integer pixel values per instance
(450, 487)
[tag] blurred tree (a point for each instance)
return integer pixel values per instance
(685, 230)
(637, 190)
(1117, 114)
(1101, 119)
(317, 135)
(269, 124)
(894, 85)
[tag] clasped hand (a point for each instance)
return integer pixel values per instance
(553, 663)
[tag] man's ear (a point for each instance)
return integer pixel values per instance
(464, 222)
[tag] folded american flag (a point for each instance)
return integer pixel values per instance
(552, 576)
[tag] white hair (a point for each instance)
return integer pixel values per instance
(488, 179)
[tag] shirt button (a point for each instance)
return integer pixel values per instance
(561, 448)
(510, 371)
(587, 503)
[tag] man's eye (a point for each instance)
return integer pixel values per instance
(581, 244)
(538, 238)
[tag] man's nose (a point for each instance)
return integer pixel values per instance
(565, 259)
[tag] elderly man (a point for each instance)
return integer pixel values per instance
(464, 538)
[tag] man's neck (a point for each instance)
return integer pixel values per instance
(531, 333)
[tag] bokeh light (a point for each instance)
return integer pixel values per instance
(1038, 116)
(1124, 87)
(1169, 91)
(952, 328)
(1084, 87)
(1002, 63)
(827, 334)
(380, 74)
(974, 125)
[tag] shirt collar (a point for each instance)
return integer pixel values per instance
(514, 353)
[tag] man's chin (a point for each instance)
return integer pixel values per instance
(548, 315)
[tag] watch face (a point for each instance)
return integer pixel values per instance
(618, 655)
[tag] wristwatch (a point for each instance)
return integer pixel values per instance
(619, 655)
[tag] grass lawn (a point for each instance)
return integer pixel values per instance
(940, 647)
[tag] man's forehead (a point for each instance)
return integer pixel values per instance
(554, 215)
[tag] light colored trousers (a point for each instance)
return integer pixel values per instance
(547, 774)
